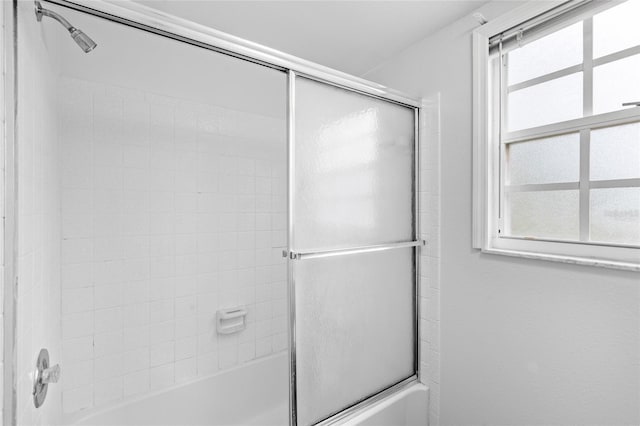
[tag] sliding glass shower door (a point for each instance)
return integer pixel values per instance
(351, 247)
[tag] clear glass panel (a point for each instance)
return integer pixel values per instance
(353, 168)
(546, 103)
(615, 83)
(616, 29)
(354, 328)
(544, 214)
(615, 152)
(554, 52)
(615, 215)
(548, 160)
(161, 184)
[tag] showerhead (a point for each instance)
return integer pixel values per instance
(81, 39)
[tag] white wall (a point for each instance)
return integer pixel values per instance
(38, 251)
(523, 342)
(171, 210)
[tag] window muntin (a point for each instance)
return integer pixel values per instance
(550, 114)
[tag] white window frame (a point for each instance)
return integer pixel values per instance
(486, 158)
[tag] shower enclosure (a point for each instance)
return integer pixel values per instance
(206, 231)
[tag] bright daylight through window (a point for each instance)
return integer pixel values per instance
(563, 131)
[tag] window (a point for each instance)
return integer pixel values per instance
(557, 152)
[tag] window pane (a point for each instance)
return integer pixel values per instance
(615, 152)
(615, 83)
(545, 214)
(615, 215)
(546, 103)
(616, 29)
(554, 52)
(549, 160)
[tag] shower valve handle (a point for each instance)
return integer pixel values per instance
(51, 374)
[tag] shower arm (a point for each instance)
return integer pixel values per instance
(40, 12)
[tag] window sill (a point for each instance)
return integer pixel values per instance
(563, 258)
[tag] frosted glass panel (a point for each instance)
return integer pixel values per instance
(547, 160)
(615, 215)
(354, 328)
(555, 100)
(353, 168)
(615, 83)
(545, 214)
(554, 52)
(616, 29)
(615, 152)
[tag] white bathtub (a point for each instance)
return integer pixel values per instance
(408, 407)
(255, 394)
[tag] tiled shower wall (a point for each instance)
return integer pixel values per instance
(38, 246)
(170, 211)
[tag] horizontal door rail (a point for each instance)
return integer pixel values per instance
(299, 255)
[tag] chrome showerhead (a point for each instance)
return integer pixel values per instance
(81, 39)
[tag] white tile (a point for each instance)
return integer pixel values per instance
(135, 315)
(162, 376)
(185, 306)
(108, 367)
(161, 310)
(77, 374)
(77, 325)
(227, 356)
(161, 332)
(77, 250)
(246, 351)
(107, 320)
(207, 363)
(185, 348)
(107, 344)
(135, 338)
(161, 353)
(77, 399)
(108, 391)
(136, 383)
(77, 275)
(77, 349)
(107, 272)
(162, 289)
(206, 343)
(108, 296)
(186, 327)
(136, 292)
(77, 300)
(185, 369)
(263, 347)
(135, 360)
(280, 342)
(78, 225)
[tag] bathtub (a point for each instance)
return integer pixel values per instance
(254, 394)
(262, 400)
(408, 407)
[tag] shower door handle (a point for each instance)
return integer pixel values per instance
(297, 255)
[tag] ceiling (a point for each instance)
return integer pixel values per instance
(352, 36)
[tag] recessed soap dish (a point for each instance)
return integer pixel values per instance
(231, 320)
